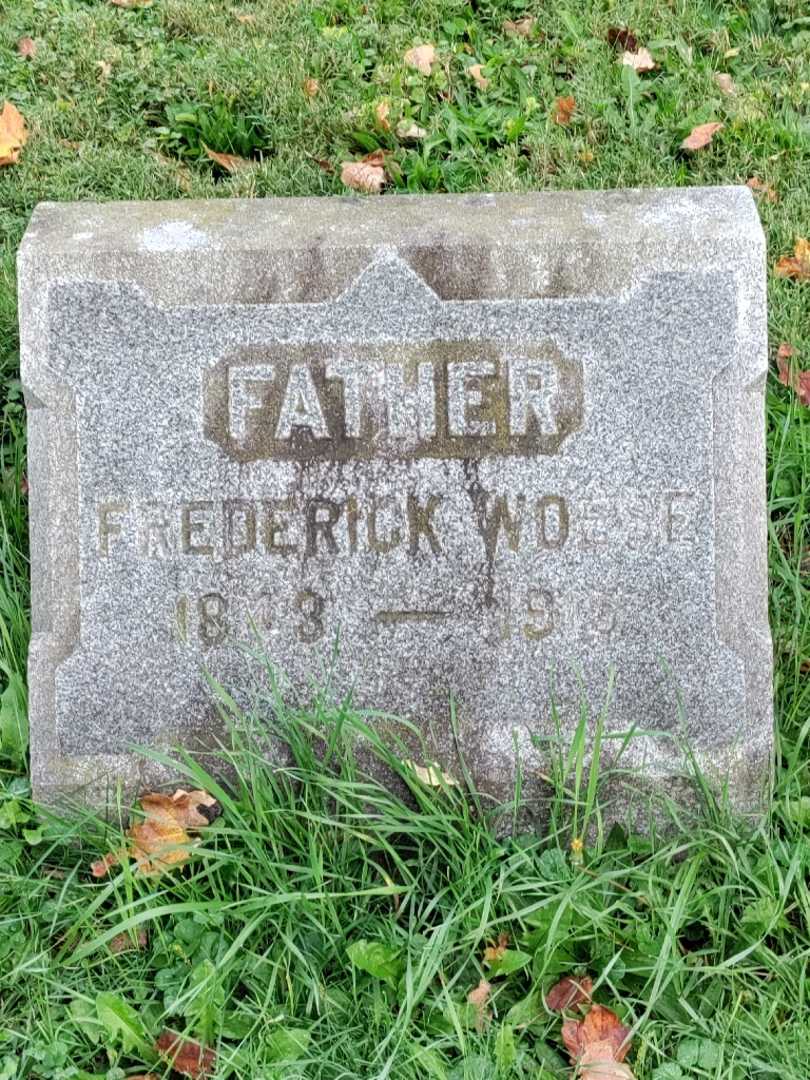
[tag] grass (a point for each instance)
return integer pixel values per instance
(699, 940)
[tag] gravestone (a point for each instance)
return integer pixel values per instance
(487, 447)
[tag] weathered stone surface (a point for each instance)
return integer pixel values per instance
(491, 441)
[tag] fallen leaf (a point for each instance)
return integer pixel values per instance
(731, 52)
(622, 38)
(475, 72)
(322, 163)
(161, 839)
(522, 27)
(432, 775)
(478, 998)
(408, 129)
(796, 266)
(564, 110)
(381, 111)
(725, 83)
(367, 175)
(104, 69)
(131, 3)
(760, 187)
(569, 992)
(640, 61)
(13, 134)
(70, 144)
(311, 87)
(597, 1064)
(27, 47)
(797, 379)
(701, 136)
(600, 1025)
(231, 163)
(185, 1055)
(246, 20)
(493, 953)
(421, 57)
(124, 943)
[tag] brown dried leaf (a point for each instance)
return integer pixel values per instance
(13, 134)
(101, 867)
(563, 110)
(475, 72)
(725, 83)
(231, 163)
(366, 175)
(641, 61)
(493, 953)
(311, 87)
(478, 998)
(185, 1055)
(760, 187)
(701, 136)
(600, 1025)
(569, 992)
(797, 379)
(124, 943)
(622, 38)
(27, 47)
(796, 266)
(246, 20)
(421, 57)
(522, 27)
(381, 112)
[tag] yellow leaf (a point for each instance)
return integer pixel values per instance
(381, 111)
(13, 134)
(432, 775)
(421, 57)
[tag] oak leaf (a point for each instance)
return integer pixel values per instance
(13, 134)
(701, 136)
(27, 47)
(569, 992)
(622, 38)
(478, 998)
(563, 110)
(640, 61)
(162, 839)
(421, 57)
(367, 175)
(600, 1025)
(231, 163)
(796, 266)
(186, 1056)
(725, 83)
(475, 71)
(522, 27)
(759, 187)
(311, 87)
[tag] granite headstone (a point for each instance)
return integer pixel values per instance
(491, 447)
